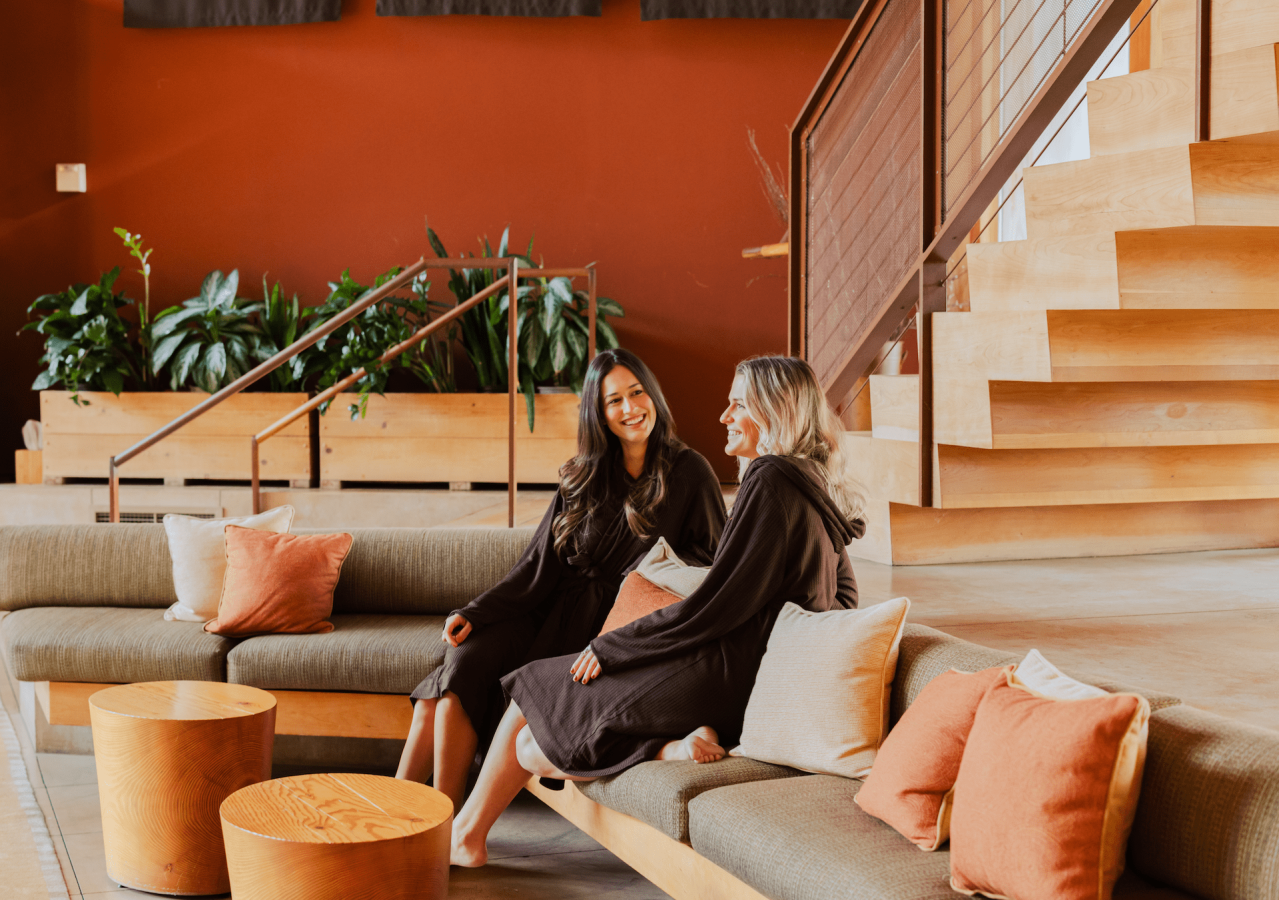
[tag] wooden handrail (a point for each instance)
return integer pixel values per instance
(256, 374)
(510, 282)
(328, 394)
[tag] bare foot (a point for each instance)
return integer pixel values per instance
(464, 853)
(701, 746)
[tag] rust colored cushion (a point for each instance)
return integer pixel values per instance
(1046, 794)
(637, 598)
(278, 583)
(913, 780)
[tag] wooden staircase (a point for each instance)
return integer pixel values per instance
(1115, 387)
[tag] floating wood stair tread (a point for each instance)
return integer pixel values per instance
(1036, 415)
(971, 478)
(1194, 267)
(901, 534)
(1211, 183)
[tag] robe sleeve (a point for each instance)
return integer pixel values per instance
(746, 576)
(529, 583)
(703, 513)
(845, 584)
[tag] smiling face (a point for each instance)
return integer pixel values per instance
(743, 431)
(628, 409)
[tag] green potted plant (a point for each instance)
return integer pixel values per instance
(462, 437)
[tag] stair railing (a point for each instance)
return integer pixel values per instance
(508, 281)
(864, 260)
(249, 378)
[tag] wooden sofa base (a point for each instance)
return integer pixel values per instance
(672, 865)
(312, 713)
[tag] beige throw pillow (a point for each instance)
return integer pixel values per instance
(666, 570)
(820, 701)
(198, 550)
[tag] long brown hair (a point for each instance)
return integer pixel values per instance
(787, 403)
(587, 479)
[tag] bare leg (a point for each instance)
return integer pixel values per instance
(700, 746)
(532, 759)
(501, 778)
(419, 749)
(455, 741)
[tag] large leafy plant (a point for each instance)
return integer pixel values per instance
(553, 325)
(209, 340)
(361, 342)
(86, 341)
(283, 322)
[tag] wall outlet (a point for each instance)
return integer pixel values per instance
(72, 177)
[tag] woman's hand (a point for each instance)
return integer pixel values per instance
(456, 629)
(587, 666)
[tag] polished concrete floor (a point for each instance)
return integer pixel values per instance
(1202, 626)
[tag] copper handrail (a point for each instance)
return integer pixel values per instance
(235, 387)
(511, 282)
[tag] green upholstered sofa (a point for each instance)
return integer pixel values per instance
(85, 607)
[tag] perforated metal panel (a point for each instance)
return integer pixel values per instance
(998, 55)
(863, 182)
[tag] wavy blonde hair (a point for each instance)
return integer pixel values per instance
(786, 402)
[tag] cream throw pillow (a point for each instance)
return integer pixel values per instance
(666, 570)
(1042, 677)
(820, 701)
(198, 550)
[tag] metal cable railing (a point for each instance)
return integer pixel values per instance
(868, 192)
(510, 282)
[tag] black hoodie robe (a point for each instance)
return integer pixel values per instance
(694, 663)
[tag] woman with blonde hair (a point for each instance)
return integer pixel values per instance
(674, 684)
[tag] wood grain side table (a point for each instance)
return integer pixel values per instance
(168, 753)
(338, 837)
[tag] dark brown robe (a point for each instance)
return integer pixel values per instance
(694, 663)
(548, 605)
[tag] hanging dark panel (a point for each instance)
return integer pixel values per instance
(213, 13)
(748, 9)
(489, 7)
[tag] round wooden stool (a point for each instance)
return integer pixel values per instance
(338, 837)
(168, 753)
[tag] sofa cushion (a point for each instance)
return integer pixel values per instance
(85, 565)
(659, 792)
(1209, 811)
(424, 571)
(376, 654)
(926, 653)
(805, 839)
(106, 645)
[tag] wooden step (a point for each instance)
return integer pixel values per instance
(972, 349)
(1155, 108)
(1236, 25)
(903, 535)
(968, 478)
(894, 405)
(1211, 183)
(1196, 267)
(1036, 415)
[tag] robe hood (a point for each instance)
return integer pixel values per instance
(806, 476)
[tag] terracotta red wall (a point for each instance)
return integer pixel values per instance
(302, 150)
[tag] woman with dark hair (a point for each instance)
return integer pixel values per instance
(631, 482)
(675, 683)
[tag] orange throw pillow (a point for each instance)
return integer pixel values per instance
(637, 598)
(278, 583)
(911, 785)
(1046, 794)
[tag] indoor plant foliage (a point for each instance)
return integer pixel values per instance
(210, 340)
(88, 345)
(553, 325)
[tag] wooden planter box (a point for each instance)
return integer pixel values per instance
(445, 437)
(79, 440)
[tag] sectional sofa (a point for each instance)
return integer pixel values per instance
(85, 608)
